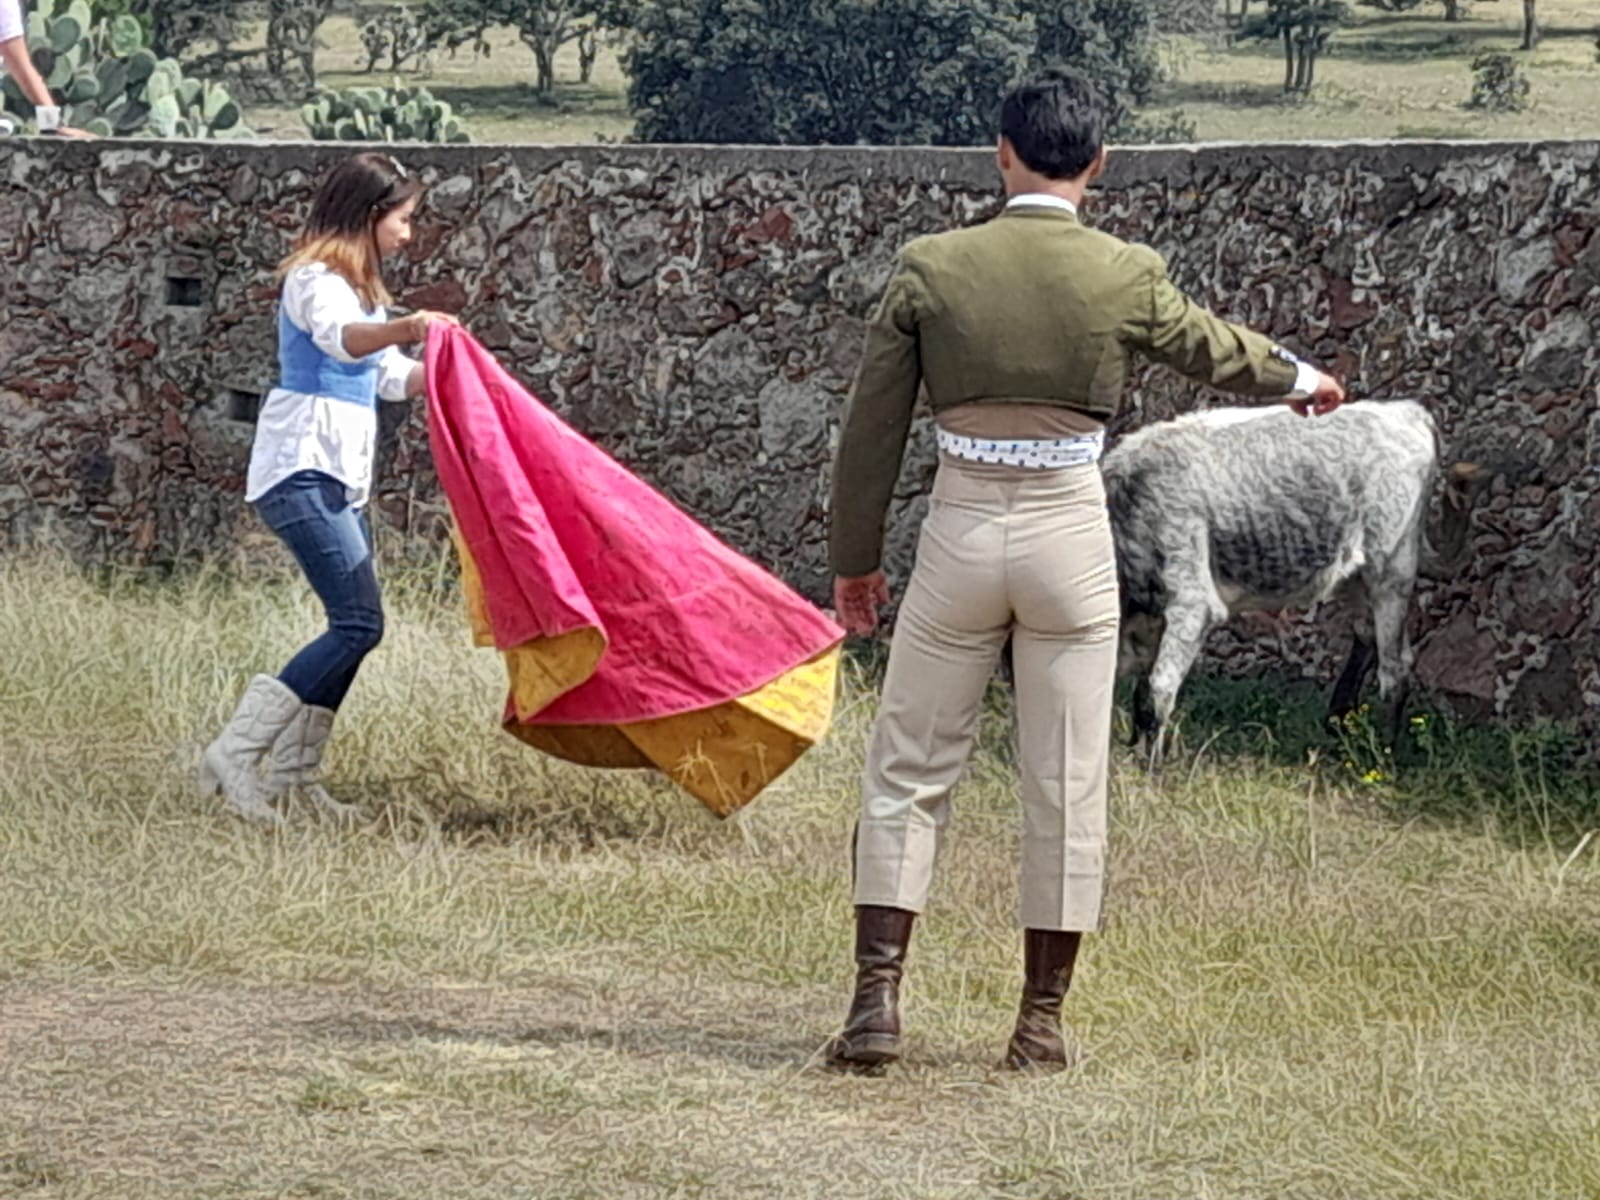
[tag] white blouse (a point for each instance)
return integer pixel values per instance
(12, 24)
(299, 432)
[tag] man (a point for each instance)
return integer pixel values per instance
(18, 63)
(1021, 331)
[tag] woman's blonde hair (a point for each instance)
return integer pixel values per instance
(341, 232)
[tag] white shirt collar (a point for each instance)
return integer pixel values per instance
(1042, 200)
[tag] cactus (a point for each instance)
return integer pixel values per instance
(110, 83)
(375, 115)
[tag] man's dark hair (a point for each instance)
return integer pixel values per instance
(1055, 121)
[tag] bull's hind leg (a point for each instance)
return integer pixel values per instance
(1390, 601)
(1347, 692)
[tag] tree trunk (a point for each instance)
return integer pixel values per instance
(1452, 10)
(544, 65)
(588, 53)
(1530, 24)
(1288, 60)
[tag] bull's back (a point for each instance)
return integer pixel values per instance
(1282, 507)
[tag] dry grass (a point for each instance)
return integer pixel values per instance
(1401, 76)
(1387, 76)
(523, 980)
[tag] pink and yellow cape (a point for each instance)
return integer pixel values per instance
(631, 635)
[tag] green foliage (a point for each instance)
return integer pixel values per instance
(382, 115)
(110, 83)
(1499, 84)
(1113, 42)
(896, 72)
(833, 72)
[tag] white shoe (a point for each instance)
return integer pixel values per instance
(294, 766)
(229, 764)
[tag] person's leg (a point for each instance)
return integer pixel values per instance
(333, 544)
(327, 538)
(1065, 592)
(951, 626)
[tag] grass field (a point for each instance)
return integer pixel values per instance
(524, 980)
(1387, 76)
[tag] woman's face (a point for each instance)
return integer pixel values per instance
(394, 227)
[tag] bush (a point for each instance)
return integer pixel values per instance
(825, 72)
(1498, 85)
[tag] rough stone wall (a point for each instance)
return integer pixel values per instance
(698, 313)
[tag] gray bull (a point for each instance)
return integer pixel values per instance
(1238, 509)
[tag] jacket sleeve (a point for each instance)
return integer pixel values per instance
(873, 440)
(1169, 328)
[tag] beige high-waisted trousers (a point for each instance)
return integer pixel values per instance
(1004, 550)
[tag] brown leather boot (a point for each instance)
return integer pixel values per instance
(871, 1035)
(1036, 1043)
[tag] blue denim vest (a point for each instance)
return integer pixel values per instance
(303, 367)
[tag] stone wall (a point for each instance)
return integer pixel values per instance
(698, 312)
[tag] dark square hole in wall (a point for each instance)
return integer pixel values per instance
(184, 291)
(243, 405)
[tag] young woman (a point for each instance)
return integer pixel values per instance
(16, 61)
(311, 473)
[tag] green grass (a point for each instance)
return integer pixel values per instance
(1386, 76)
(523, 979)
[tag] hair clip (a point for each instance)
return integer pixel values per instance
(398, 169)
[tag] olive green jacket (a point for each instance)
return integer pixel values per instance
(1031, 307)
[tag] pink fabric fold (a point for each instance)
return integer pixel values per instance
(565, 538)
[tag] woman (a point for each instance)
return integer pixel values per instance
(311, 474)
(18, 63)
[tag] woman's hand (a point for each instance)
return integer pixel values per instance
(420, 320)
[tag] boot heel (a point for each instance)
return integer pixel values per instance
(867, 1049)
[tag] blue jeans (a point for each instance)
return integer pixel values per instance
(332, 542)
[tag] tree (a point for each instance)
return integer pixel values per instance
(292, 27)
(544, 27)
(1304, 27)
(825, 72)
(1113, 42)
(1530, 25)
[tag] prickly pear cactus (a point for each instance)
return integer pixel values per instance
(108, 82)
(396, 114)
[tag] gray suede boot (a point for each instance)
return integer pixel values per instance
(294, 767)
(229, 764)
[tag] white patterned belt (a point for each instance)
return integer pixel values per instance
(1043, 453)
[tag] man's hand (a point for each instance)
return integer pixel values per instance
(856, 601)
(1329, 395)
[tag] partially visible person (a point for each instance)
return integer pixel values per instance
(16, 61)
(311, 476)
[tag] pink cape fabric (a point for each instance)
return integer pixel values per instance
(565, 538)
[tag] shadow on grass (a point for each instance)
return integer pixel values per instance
(517, 99)
(1232, 95)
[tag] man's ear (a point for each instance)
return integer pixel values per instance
(1098, 166)
(1004, 154)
